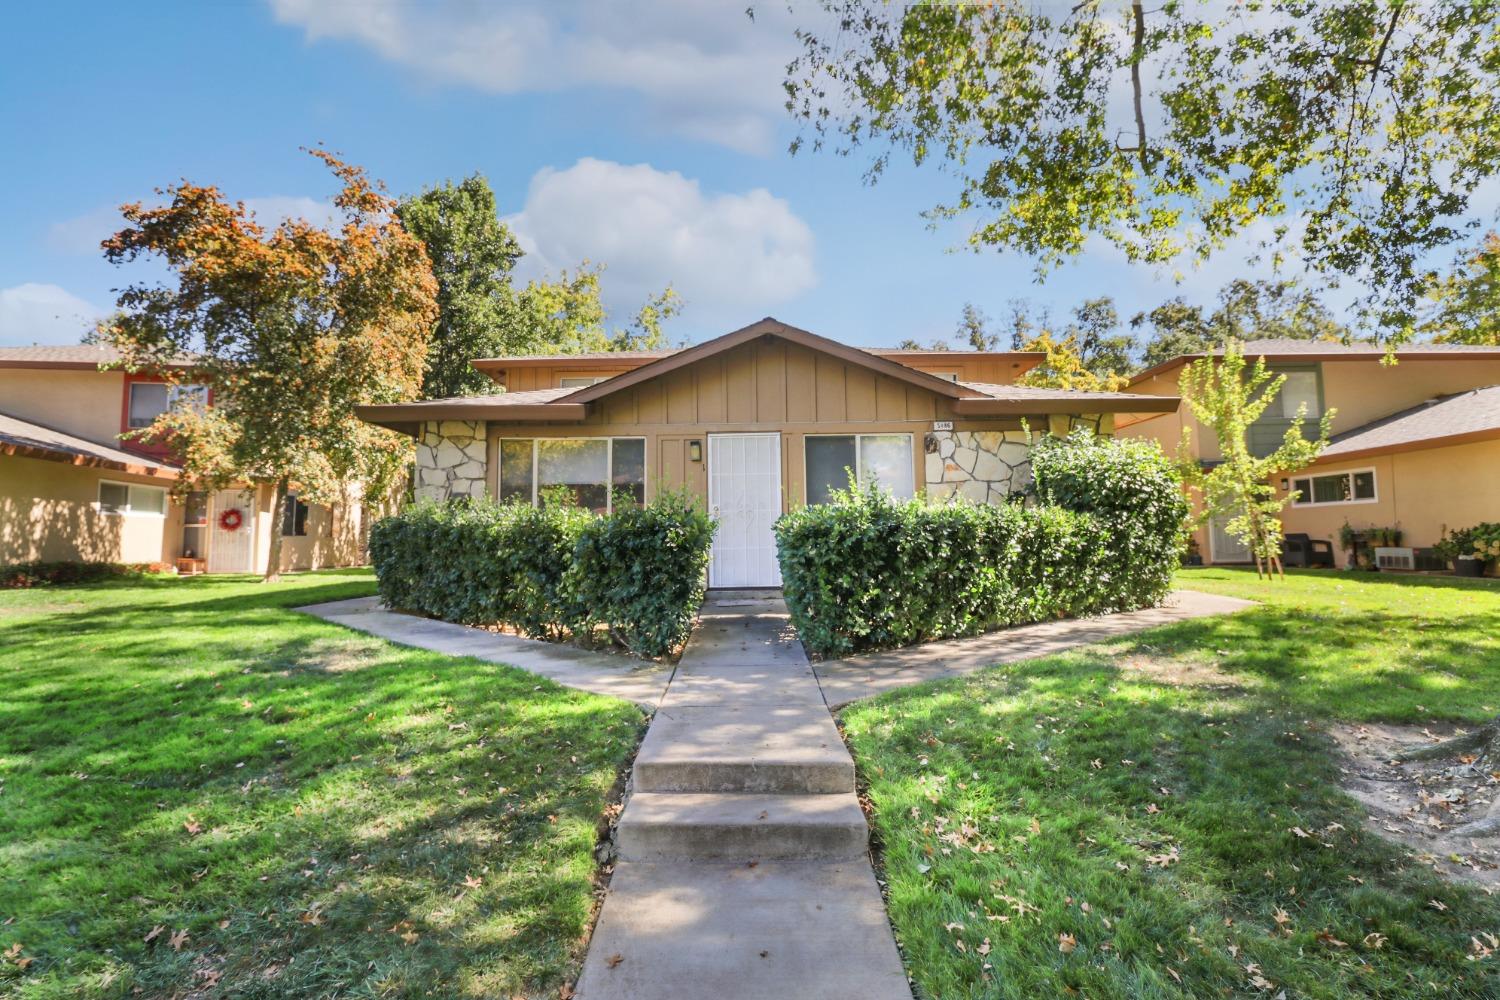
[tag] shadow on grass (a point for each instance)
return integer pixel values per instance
(1169, 837)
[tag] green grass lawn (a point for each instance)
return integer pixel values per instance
(204, 793)
(1160, 817)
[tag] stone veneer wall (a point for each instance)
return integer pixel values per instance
(451, 459)
(988, 466)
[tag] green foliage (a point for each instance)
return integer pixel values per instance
(641, 571)
(318, 812)
(1481, 541)
(52, 574)
(550, 571)
(1466, 304)
(1227, 399)
(1247, 310)
(481, 311)
(1169, 130)
(868, 572)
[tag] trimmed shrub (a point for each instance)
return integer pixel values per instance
(59, 574)
(868, 572)
(641, 572)
(548, 571)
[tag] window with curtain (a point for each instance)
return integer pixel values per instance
(293, 517)
(123, 498)
(885, 459)
(148, 400)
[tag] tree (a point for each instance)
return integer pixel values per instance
(1065, 366)
(1171, 130)
(1227, 400)
(1466, 304)
(974, 327)
(483, 314)
(1247, 310)
(473, 256)
(1087, 354)
(292, 327)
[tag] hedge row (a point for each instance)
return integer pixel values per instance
(1102, 533)
(57, 574)
(551, 571)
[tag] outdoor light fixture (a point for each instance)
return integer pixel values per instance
(1283, 485)
(695, 451)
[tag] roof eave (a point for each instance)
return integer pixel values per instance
(1400, 447)
(407, 418)
(1064, 406)
(89, 461)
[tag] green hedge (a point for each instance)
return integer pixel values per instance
(868, 572)
(549, 571)
(60, 574)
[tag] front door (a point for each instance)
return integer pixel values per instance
(744, 493)
(231, 544)
(1224, 547)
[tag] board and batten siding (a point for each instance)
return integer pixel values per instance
(760, 386)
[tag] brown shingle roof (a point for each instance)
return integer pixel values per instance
(33, 440)
(1284, 349)
(1464, 416)
(65, 356)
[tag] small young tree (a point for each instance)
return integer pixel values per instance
(1227, 399)
(292, 327)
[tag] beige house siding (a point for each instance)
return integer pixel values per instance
(49, 511)
(1423, 493)
(82, 402)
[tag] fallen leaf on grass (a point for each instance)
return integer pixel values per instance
(1066, 943)
(1437, 905)
(1375, 940)
(153, 934)
(193, 827)
(178, 939)
(473, 881)
(1328, 939)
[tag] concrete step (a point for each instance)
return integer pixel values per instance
(727, 931)
(666, 826)
(788, 748)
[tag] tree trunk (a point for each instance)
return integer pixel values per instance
(278, 505)
(1484, 744)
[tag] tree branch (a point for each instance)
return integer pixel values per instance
(1138, 52)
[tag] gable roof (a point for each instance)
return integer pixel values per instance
(66, 356)
(1447, 420)
(32, 440)
(770, 327)
(572, 404)
(1287, 349)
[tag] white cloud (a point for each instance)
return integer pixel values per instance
(727, 254)
(34, 313)
(706, 69)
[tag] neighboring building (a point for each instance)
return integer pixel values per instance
(1416, 444)
(72, 489)
(754, 422)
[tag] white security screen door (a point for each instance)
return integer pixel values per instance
(231, 551)
(1224, 547)
(744, 493)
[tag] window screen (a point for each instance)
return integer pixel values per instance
(628, 468)
(1299, 388)
(582, 465)
(830, 459)
(515, 470)
(114, 498)
(148, 400)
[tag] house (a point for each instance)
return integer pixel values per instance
(753, 422)
(1415, 444)
(72, 489)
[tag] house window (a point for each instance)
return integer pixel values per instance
(579, 381)
(1303, 387)
(128, 499)
(597, 472)
(293, 517)
(946, 376)
(1340, 487)
(194, 524)
(882, 458)
(149, 400)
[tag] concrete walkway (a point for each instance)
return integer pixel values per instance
(743, 867)
(621, 676)
(871, 674)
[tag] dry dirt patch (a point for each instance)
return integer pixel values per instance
(1419, 803)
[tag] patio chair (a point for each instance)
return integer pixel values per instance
(1304, 550)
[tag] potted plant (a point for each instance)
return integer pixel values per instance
(1192, 557)
(1470, 549)
(1349, 542)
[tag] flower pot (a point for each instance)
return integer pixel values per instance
(1468, 566)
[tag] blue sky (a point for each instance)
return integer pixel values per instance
(648, 137)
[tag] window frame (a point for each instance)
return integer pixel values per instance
(859, 456)
(301, 507)
(176, 393)
(609, 463)
(130, 510)
(946, 376)
(1348, 474)
(583, 381)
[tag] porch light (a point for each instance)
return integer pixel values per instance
(695, 451)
